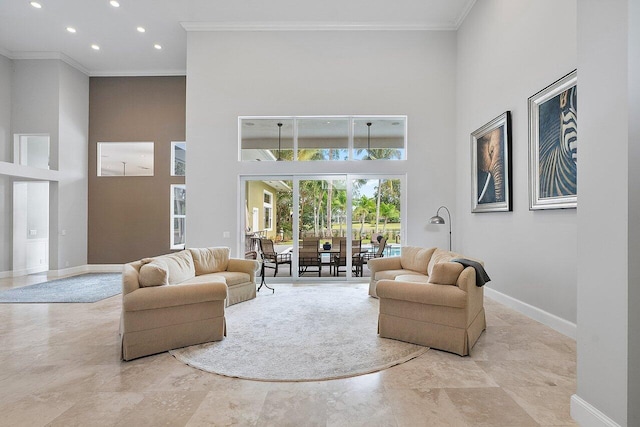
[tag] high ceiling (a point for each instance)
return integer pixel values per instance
(30, 32)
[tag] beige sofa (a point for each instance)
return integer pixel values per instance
(426, 299)
(179, 299)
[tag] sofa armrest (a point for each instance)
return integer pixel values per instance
(422, 293)
(248, 266)
(467, 279)
(380, 264)
(173, 295)
(475, 294)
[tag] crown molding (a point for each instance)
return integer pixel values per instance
(6, 53)
(51, 55)
(464, 13)
(311, 26)
(134, 73)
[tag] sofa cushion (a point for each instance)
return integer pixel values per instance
(445, 273)
(414, 278)
(416, 258)
(440, 255)
(210, 260)
(233, 277)
(392, 274)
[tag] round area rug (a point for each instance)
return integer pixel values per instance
(306, 333)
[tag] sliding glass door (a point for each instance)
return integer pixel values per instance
(326, 226)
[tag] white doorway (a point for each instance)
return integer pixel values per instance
(30, 227)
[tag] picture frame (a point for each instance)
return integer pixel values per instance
(491, 166)
(553, 149)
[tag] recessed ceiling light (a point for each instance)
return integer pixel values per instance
(36, 5)
(114, 3)
(141, 29)
(71, 30)
(157, 46)
(95, 47)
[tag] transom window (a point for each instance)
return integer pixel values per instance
(324, 138)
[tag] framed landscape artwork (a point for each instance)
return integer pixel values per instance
(491, 166)
(553, 146)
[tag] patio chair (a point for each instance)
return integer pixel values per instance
(309, 255)
(340, 259)
(272, 259)
(377, 254)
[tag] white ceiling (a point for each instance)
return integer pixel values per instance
(27, 32)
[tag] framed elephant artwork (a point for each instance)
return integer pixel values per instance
(553, 145)
(491, 166)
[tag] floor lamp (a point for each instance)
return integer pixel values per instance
(437, 219)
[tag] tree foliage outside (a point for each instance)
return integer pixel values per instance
(323, 211)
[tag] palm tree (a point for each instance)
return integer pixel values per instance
(362, 208)
(339, 204)
(388, 212)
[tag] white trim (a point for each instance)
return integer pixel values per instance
(87, 268)
(174, 216)
(463, 14)
(587, 415)
(28, 172)
(104, 268)
(312, 26)
(69, 271)
(551, 320)
(51, 55)
(139, 73)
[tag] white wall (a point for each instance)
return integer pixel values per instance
(314, 73)
(73, 166)
(508, 51)
(6, 72)
(604, 189)
(633, 374)
(51, 97)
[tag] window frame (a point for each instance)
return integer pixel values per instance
(269, 206)
(174, 216)
(351, 134)
(173, 158)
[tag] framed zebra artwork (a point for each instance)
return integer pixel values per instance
(491, 166)
(553, 145)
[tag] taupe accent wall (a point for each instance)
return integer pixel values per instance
(129, 217)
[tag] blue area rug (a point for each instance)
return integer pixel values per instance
(83, 288)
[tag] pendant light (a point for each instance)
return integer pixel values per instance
(279, 140)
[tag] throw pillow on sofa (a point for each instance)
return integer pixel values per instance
(167, 269)
(153, 273)
(446, 273)
(439, 256)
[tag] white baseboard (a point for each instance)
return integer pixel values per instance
(104, 268)
(588, 416)
(87, 268)
(551, 320)
(68, 271)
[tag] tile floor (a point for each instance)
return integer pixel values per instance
(60, 367)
